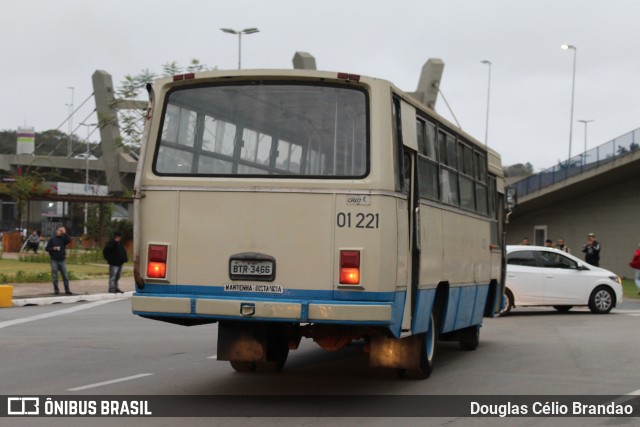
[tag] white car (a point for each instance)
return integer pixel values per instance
(537, 275)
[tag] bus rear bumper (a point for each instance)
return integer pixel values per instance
(293, 311)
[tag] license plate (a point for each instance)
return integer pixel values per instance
(240, 267)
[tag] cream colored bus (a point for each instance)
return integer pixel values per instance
(283, 204)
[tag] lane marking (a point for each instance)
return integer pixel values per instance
(627, 397)
(54, 313)
(118, 380)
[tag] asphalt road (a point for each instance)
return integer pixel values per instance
(99, 348)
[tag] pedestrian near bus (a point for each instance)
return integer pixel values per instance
(592, 250)
(635, 264)
(57, 248)
(33, 241)
(560, 244)
(116, 255)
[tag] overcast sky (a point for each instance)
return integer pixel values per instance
(48, 46)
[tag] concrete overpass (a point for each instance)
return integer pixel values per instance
(116, 165)
(595, 192)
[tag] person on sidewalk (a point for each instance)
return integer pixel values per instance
(592, 250)
(56, 246)
(116, 255)
(33, 242)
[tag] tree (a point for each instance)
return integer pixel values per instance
(24, 186)
(132, 121)
(518, 170)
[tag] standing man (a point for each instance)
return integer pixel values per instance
(116, 255)
(57, 248)
(562, 246)
(592, 250)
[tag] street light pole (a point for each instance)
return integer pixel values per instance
(240, 33)
(586, 122)
(69, 144)
(486, 129)
(573, 92)
(86, 176)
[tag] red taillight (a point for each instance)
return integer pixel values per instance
(157, 262)
(187, 76)
(347, 76)
(157, 270)
(349, 267)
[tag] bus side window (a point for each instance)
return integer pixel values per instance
(397, 143)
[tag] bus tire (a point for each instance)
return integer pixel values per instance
(239, 366)
(277, 364)
(277, 349)
(428, 342)
(469, 338)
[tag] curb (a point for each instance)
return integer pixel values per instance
(22, 302)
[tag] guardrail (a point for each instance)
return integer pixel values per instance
(591, 159)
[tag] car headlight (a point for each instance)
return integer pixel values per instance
(616, 279)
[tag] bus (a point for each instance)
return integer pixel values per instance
(290, 204)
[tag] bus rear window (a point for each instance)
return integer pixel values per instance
(264, 130)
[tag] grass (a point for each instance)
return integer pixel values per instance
(36, 269)
(629, 289)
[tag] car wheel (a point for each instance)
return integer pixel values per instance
(563, 308)
(508, 302)
(602, 300)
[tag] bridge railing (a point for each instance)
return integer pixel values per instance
(581, 163)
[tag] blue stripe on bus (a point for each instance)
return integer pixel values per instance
(465, 307)
(397, 301)
(424, 305)
(218, 292)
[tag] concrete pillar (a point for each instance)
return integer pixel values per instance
(427, 91)
(103, 93)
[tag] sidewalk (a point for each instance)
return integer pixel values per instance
(83, 290)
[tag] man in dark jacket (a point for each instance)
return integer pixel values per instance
(592, 250)
(56, 246)
(116, 255)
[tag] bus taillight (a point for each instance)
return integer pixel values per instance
(157, 262)
(349, 267)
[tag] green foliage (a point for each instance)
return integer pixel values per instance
(30, 277)
(124, 227)
(132, 121)
(519, 170)
(74, 256)
(23, 187)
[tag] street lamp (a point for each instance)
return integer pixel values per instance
(573, 91)
(240, 33)
(69, 144)
(585, 137)
(86, 176)
(486, 129)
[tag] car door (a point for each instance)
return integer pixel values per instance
(525, 278)
(565, 283)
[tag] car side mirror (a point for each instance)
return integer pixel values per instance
(582, 267)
